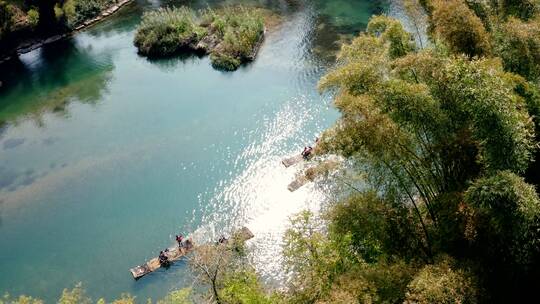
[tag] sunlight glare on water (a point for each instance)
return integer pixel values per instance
(258, 197)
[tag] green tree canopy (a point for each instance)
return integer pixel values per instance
(460, 28)
(442, 283)
(507, 218)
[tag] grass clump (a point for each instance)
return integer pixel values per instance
(224, 62)
(166, 31)
(230, 35)
(240, 31)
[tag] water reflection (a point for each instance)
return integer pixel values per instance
(171, 63)
(49, 78)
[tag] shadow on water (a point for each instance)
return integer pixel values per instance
(171, 63)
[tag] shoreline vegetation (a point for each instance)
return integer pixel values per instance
(231, 35)
(21, 33)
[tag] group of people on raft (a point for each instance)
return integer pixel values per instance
(182, 243)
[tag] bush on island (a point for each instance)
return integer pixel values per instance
(166, 31)
(224, 62)
(230, 35)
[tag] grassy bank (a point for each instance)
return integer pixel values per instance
(231, 36)
(29, 24)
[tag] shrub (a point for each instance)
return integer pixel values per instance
(224, 61)
(440, 283)
(33, 17)
(58, 12)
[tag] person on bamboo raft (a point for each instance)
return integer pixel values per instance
(180, 240)
(163, 259)
(307, 152)
(222, 240)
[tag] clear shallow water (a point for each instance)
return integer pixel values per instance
(105, 155)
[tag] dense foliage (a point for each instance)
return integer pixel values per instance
(6, 18)
(77, 11)
(443, 138)
(230, 35)
(28, 20)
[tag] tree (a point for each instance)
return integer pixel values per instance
(369, 228)
(421, 128)
(77, 295)
(308, 257)
(220, 267)
(524, 9)
(243, 287)
(6, 299)
(518, 45)
(391, 31)
(418, 17)
(181, 296)
(507, 220)
(47, 17)
(425, 123)
(6, 18)
(210, 263)
(460, 28)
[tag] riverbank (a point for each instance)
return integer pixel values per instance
(35, 43)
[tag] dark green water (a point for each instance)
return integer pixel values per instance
(105, 155)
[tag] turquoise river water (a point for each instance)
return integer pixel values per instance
(105, 155)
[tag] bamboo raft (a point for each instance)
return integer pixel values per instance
(287, 162)
(243, 234)
(173, 253)
(311, 174)
(297, 183)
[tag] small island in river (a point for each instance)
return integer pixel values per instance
(231, 36)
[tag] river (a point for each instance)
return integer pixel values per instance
(105, 155)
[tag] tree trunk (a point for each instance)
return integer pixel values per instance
(216, 295)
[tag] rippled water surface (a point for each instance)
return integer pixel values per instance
(105, 155)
